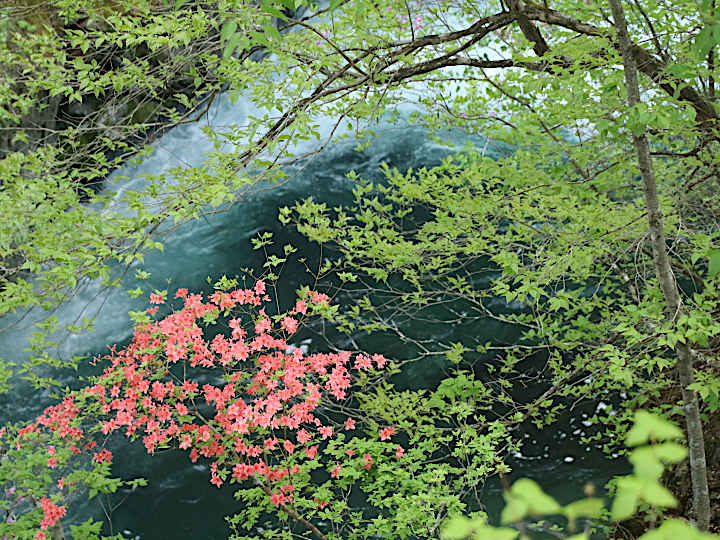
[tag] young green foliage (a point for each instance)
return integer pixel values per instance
(526, 500)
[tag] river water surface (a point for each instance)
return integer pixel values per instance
(180, 502)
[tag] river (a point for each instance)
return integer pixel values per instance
(180, 502)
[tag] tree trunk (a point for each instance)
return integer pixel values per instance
(57, 533)
(698, 465)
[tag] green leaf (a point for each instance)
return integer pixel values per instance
(683, 71)
(289, 4)
(269, 8)
(670, 452)
(714, 262)
(527, 498)
(235, 40)
(515, 510)
(626, 498)
(705, 8)
(646, 465)
(88, 530)
(650, 427)
(657, 495)
(495, 533)
(676, 529)
(706, 39)
(461, 528)
(227, 30)
(589, 508)
(272, 31)
(457, 528)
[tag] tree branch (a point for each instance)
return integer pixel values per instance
(646, 63)
(706, 116)
(529, 30)
(292, 512)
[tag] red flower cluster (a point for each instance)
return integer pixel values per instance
(51, 513)
(270, 388)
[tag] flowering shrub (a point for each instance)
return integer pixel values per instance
(256, 419)
(258, 411)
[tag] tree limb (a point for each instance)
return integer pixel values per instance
(646, 63)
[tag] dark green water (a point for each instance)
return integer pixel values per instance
(180, 502)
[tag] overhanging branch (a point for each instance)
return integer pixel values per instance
(353, 77)
(646, 63)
